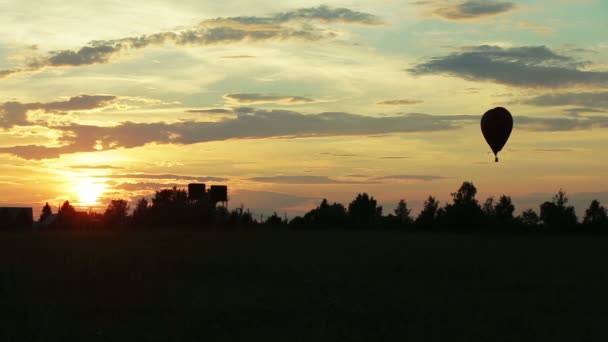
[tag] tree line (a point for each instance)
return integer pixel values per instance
(171, 208)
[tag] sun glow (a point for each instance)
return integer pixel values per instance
(88, 191)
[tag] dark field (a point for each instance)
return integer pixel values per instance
(301, 286)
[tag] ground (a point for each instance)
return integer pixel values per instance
(301, 286)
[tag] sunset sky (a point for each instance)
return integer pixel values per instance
(287, 102)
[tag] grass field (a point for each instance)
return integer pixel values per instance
(301, 286)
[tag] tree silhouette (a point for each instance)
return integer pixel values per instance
(401, 219)
(169, 207)
(66, 217)
(402, 212)
(503, 210)
(427, 218)
(274, 220)
(529, 219)
(141, 214)
(46, 212)
(240, 217)
(363, 212)
(595, 217)
(488, 209)
(116, 214)
(464, 213)
(326, 215)
(556, 215)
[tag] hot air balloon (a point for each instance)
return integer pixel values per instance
(496, 126)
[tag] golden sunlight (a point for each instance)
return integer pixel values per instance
(88, 191)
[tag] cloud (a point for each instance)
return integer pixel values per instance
(528, 66)
(300, 180)
(558, 150)
(250, 123)
(249, 99)
(211, 111)
(15, 113)
(410, 177)
(102, 167)
(535, 27)
(149, 176)
(293, 25)
(7, 73)
(399, 102)
(584, 99)
(559, 124)
(247, 123)
(238, 57)
(466, 10)
(394, 157)
(340, 155)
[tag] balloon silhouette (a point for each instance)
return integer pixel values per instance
(496, 126)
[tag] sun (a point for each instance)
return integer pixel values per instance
(88, 191)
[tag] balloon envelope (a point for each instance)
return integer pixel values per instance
(496, 126)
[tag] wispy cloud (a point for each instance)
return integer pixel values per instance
(15, 113)
(585, 99)
(238, 57)
(403, 102)
(465, 10)
(250, 123)
(301, 180)
(247, 123)
(410, 178)
(167, 177)
(535, 27)
(94, 167)
(250, 99)
(528, 66)
(292, 25)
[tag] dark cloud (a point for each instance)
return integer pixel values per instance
(297, 24)
(399, 102)
(248, 123)
(531, 66)
(341, 155)
(587, 99)
(248, 99)
(466, 10)
(15, 113)
(329, 14)
(578, 111)
(300, 180)
(212, 111)
(559, 124)
(7, 73)
(410, 177)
